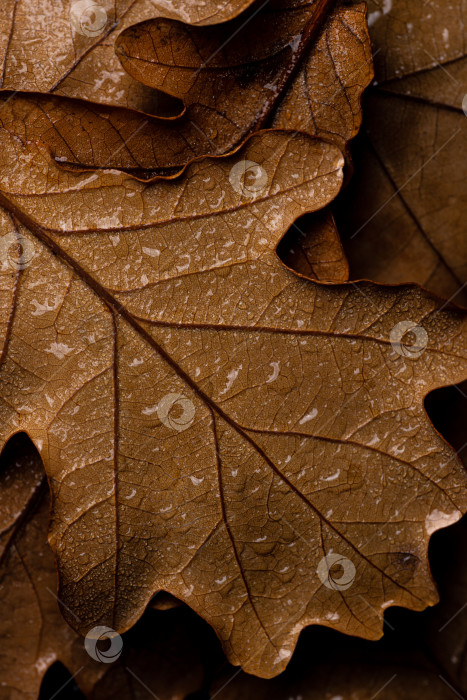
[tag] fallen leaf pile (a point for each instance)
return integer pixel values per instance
(196, 406)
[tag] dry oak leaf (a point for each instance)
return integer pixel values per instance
(95, 134)
(67, 48)
(304, 430)
(416, 233)
(291, 67)
(404, 213)
(225, 97)
(324, 99)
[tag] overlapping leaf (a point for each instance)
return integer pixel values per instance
(304, 428)
(221, 79)
(302, 431)
(36, 636)
(231, 83)
(215, 120)
(67, 48)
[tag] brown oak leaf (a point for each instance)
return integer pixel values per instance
(211, 424)
(323, 99)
